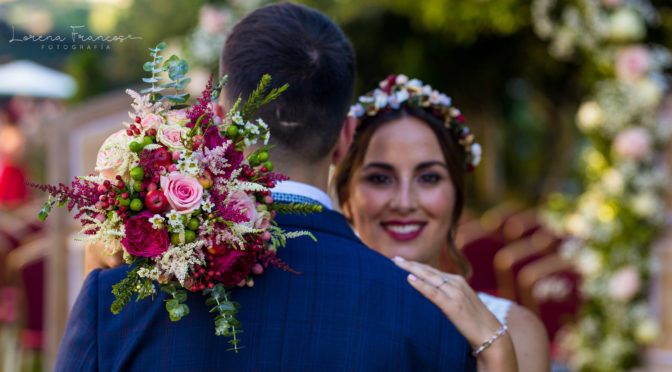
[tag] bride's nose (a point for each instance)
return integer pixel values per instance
(405, 199)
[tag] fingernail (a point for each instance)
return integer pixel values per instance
(412, 277)
(398, 259)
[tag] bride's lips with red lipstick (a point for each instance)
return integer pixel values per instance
(403, 230)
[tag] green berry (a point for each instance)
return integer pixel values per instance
(136, 205)
(269, 165)
(137, 173)
(135, 146)
(147, 140)
(193, 224)
(189, 236)
(125, 202)
(232, 131)
(137, 186)
(262, 157)
(175, 239)
(253, 159)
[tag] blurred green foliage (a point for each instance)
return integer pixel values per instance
(482, 53)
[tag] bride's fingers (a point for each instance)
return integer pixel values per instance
(431, 292)
(425, 272)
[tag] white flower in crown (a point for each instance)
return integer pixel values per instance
(427, 90)
(356, 110)
(366, 99)
(401, 95)
(381, 99)
(434, 96)
(392, 101)
(444, 100)
(476, 153)
(401, 79)
(414, 84)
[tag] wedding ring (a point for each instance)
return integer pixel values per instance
(444, 279)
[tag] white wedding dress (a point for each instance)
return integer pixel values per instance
(499, 307)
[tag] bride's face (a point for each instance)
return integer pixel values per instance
(401, 199)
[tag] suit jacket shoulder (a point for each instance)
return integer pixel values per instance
(348, 309)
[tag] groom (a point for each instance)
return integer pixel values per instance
(349, 309)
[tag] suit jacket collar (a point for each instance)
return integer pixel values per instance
(327, 221)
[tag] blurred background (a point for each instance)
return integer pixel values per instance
(567, 212)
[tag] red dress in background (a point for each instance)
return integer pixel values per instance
(13, 191)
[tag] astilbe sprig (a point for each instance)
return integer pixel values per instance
(202, 107)
(80, 194)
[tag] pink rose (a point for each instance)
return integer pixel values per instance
(141, 239)
(152, 121)
(112, 156)
(177, 117)
(184, 192)
(633, 143)
(624, 284)
(632, 63)
(245, 204)
(171, 136)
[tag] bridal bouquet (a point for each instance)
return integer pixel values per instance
(176, 195)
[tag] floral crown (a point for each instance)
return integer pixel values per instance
(398, 90)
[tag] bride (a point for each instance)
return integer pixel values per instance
(401, 186)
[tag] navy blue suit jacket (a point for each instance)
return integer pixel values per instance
(350, 309)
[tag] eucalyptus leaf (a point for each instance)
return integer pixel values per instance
(150, 80)
(168, 85)
(162, 45)
(182, 83)
(148, 66)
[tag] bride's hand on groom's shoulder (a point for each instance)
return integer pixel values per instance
(453, 295)
(96, 258)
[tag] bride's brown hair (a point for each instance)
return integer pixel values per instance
(455, 160)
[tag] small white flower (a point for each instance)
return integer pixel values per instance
(174, 219)
(366, 99)
(381, 100)
(444, 100)
(207, 205)
(434, 96)
(266, 137)
(237, 118)
(157, 221)
(427, 90)
(414, 83)
(401, 79)
(392, 101)
(401, 95)
(262, 123)
(476, 152)
(356, 110)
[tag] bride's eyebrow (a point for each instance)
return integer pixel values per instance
(384, 166)
(427, 164)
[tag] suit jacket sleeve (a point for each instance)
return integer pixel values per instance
(79, 346)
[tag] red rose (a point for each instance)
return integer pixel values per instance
(234, 264)
(142, 239)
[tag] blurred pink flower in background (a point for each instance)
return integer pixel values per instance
(632, 63)
(625, 284)
(633, 143)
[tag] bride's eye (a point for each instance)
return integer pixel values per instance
(378, 179)
(430, 178)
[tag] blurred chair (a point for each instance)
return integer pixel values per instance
(520, 225)
(513, 257)
(479, 246)
(550, 287)
(27, 264)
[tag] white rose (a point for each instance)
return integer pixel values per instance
(589, 263)
(613, 182)
(171, 136)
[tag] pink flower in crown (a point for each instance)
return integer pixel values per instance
(625, 284)
(171, 136)
(633, 143)
(245, 205)
(112, 156)
(184, 192)
(633, 63)
(152, 121)
(177, 117)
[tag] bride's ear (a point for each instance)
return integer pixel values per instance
(345, 209)
(344, 139)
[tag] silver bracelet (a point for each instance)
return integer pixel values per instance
(486, 344)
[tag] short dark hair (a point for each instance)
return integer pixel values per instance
(300, 46)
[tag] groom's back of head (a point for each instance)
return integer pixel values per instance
(300, 46)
